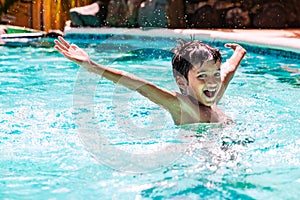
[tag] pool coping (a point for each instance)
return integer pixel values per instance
(281, 39)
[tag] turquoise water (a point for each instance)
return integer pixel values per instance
(67, 134)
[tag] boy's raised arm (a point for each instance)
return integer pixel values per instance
(228, 69)
(162, 97)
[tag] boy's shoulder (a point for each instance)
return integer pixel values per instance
(191, 112)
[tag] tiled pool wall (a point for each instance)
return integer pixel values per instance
(250, 47)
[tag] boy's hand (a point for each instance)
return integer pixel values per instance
(233, 62)
(236, 47)
(71, 51)
(229, 67)
(236, 58)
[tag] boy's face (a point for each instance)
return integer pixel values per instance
(204, 82)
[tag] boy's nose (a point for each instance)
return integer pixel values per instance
(212, 81)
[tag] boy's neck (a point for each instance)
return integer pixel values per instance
(196, 102)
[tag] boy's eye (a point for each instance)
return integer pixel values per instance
(202, 76)
(217, 74)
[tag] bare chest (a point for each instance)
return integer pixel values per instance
(191, 113)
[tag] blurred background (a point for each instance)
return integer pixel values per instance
(47, 15)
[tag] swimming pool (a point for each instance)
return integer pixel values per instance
(67, 134)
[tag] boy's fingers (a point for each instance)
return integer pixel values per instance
(60, 45)
(63, 52)
(62, 49)
(64, 42)
(59, 48)
(230, 44)
(74, 46)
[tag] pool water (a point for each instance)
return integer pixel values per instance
(68, 134)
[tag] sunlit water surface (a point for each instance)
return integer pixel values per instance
(54, 114)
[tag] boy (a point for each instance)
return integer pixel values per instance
(197, 71)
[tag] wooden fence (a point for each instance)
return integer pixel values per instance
(42, 14)
(53, 14)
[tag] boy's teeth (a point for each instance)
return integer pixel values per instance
(209, 93)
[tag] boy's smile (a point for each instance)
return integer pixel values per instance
(204, 82)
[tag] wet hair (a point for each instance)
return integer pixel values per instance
(188, 54)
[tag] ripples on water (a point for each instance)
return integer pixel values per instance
(42, 154)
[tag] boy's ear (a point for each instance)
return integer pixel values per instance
(181, 82)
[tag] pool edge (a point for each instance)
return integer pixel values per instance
(273, 42)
